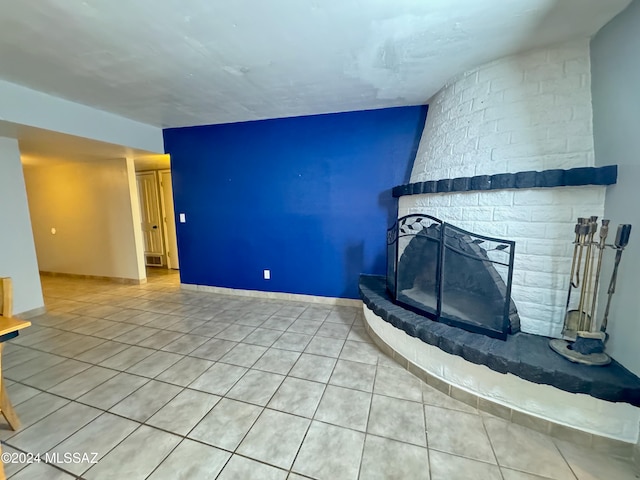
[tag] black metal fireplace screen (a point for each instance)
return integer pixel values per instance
(451, 275)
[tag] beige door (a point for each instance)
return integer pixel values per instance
(151, 218)
(169, 219)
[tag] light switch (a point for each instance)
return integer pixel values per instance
(183, 218)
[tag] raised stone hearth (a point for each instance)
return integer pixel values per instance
(521, 374)
(524, 355)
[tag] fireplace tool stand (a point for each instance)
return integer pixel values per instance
(583, 342)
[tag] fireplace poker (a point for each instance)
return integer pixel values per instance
(622, 240)
(573, 263)
(582, 232)
(604, 231)
(586, 277)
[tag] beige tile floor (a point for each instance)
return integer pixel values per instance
(169, 384)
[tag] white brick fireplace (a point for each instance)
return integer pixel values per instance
(530, 111)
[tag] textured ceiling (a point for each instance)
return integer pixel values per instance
(186, 62)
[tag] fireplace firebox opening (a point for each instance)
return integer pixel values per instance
(452, 275)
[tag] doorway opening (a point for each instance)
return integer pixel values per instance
(157, 215)
(83, 206)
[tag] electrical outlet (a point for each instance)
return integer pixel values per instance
(267, 274)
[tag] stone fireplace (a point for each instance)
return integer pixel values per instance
(530, 112)
(506, 155)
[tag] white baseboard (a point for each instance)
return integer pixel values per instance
(293, 297)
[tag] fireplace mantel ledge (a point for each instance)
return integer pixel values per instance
(521, 379)
(531, 179)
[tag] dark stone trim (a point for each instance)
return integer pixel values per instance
(546, 179)
(525, 355)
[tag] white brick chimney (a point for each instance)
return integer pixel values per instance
(530, 111)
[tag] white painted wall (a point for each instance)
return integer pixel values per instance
(92, 207)
(525, 112)
(17, 251)
(23, 106)
(616, 78)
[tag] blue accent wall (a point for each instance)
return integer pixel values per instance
(308, 198)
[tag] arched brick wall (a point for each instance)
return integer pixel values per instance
(530, 111)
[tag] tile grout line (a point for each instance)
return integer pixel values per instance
(426, 428)
(373, 387)
(559, 450)
(304, 437)
(493, 450)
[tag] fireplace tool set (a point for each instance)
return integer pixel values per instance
(583, 341)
